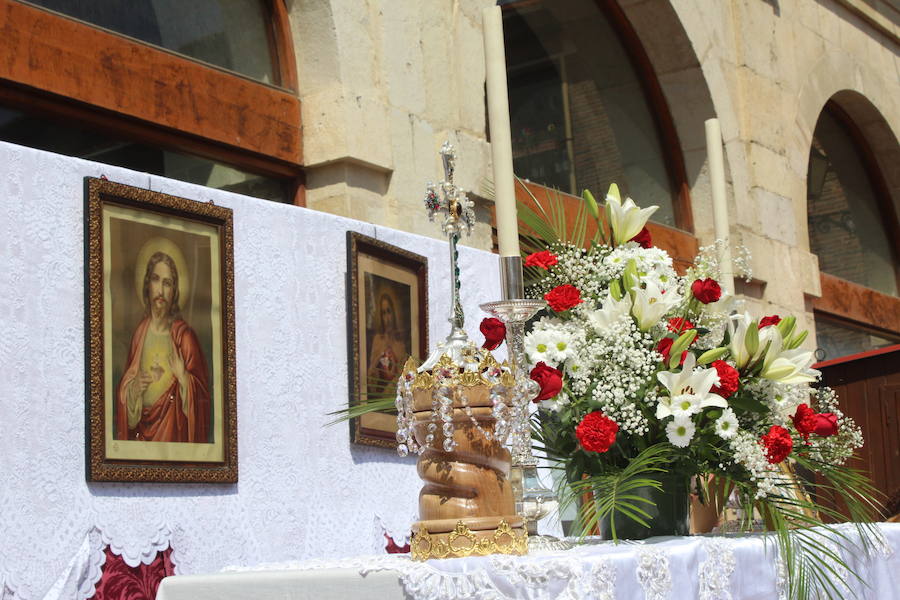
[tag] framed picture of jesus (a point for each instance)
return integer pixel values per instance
(387, 303)
(159, 280)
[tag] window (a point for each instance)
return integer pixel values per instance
(835, 339)
(232, 34)
(846, 222)
(77, 89)
(850, 217)
(585, 107)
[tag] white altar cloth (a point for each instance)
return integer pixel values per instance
(745, 567)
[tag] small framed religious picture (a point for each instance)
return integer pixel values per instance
(387, 306)
(159, 280)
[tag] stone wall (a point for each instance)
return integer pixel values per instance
(384, 83)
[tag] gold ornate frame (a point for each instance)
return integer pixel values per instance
(416, 266)
(100, 194)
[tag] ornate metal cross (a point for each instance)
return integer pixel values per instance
(446, 198)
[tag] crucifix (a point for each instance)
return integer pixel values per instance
(446, 198)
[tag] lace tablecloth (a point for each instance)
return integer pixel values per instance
(302, 486)
(704, 567)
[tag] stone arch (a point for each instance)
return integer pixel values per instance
(864, 95)
(685, 83)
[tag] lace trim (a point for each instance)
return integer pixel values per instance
(716, 570)
(653, 573)
(81, 575)
(8, 587)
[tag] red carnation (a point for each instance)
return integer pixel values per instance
(706, 290)
(548, 378)
(728, 379)
(664, 347)
(778, 444)
(643, 238)
(770, 320)
(494, 332)
(563, 297)
(805, 420)
(826, 424)
(679, 325)
(543, 259)
(596, 432)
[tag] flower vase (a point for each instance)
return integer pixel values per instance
(669, 513)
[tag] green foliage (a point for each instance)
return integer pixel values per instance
(803, 524)
(614, 492)
(383, 403)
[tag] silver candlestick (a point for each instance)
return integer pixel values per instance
(533, 500)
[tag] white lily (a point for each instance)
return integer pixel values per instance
(611, 311)
(651, 303)
(787, 366)
(737, 329)
(689, 388)
(626, 219)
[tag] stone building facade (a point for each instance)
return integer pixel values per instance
(366, 91)
(383, 84)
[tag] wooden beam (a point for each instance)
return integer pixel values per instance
(45, 52)
(858, 304)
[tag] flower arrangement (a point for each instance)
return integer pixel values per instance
(645, 372)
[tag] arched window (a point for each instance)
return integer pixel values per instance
(851, 217)
(585, 107)
(198, 91)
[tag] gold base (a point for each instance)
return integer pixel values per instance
(462, 542)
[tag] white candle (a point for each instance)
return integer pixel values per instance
(501, 140)
(720, 206)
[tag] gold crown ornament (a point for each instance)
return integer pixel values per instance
(455, 412)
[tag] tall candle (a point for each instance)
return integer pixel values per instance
(720, 206)
(501, 140)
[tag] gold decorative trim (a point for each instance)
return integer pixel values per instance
(507, 379)
(461, 542)
(487, 362)
(410, 365)
(461, 375)
(424, 381)
(471, 378)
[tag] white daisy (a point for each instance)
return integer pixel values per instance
(680, 431)
(539, 346)
(574, 366)
(727, 424)
(686, 405)
(561, 348)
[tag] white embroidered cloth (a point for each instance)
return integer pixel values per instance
(704, 567)
(304, 491)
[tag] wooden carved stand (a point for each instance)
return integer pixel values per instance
(466, 506)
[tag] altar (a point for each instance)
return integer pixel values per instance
(707, 567)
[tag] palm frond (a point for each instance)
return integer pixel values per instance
(383, 402)
(548, 220)
(806, 529)
(613, 494)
